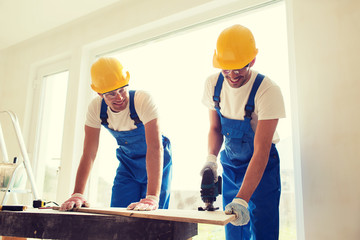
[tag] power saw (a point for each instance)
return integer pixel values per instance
(210, 189)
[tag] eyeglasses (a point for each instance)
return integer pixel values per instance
(235, 71)
(112, 95)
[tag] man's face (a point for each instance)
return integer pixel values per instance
(237, 77)
(117, 99)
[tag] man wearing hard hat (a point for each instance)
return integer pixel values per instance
(244, 108)
(142, 180)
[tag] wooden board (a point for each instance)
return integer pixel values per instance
(191, 216)
(53, 224)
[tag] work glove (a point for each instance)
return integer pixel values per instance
(76, 201)
(239, 207)
(212, 164)
(149, 203)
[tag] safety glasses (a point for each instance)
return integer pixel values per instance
(236, 71)
(112, 95)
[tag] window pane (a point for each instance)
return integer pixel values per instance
(52, 126)
(173, 70)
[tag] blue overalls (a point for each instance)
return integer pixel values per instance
(130, 182)
(235, 158)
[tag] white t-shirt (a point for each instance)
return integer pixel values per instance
(269, 103)
(121, 121)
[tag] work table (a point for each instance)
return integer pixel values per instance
(108, 223)
(53, 224)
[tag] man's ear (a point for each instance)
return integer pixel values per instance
(252, 62)
(100, 95)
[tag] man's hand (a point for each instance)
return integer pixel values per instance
(76, 201)
(149, 203)
(212, 164)
(239, 207)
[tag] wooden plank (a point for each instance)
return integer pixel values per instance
(51, 224)
(190, 216)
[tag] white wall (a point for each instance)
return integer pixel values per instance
(323, 50)
(326, 36)
(2, 80)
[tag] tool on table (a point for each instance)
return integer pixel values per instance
(12, 208)
(43, 205)
(210, 189)
(38, 203)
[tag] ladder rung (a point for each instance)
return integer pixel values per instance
(26, 162)
(15, 190)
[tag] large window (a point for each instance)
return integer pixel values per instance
(173, 69)
(50, 135)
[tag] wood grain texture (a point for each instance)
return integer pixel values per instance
(190, 216)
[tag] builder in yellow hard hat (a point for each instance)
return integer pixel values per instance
(244, 108)
(142, 180)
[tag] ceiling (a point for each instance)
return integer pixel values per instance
(24, 19)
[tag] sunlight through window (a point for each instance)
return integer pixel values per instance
(173, 69)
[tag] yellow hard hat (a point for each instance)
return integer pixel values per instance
(107, 75)
(235, 48)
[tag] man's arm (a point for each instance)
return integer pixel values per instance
(91, 144)
(154, 157)
(215, 138)
(262, 144)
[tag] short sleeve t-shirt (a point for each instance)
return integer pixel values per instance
(269, 103)
(121, 121)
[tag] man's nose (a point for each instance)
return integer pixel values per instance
(118, 96)
(233, 74)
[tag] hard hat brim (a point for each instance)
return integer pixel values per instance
(120, 84)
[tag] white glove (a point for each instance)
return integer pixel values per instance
(239, 207)
(149, 203)
(212, 164)
(76, 201)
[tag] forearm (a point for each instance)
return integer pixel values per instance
(154, 157)
(262, 145)
(91, 142)
(253, 176)
(154, 166)
(77, 200)
(215, 140)
(82, 174)
(215, 137)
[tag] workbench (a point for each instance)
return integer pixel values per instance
(53, 224)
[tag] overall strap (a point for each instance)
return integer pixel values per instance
(217, 91)
(103, 113)
(250, 106)
(133, 113)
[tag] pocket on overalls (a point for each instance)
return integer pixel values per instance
(239, 150)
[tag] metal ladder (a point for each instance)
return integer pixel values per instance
(10, 170)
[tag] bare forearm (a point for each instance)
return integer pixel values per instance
(91, 143)
(253, 176)
(154, 166)
(154, 157)
(82, 175)
(262, 145)
(215, 137)
(215, 140)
